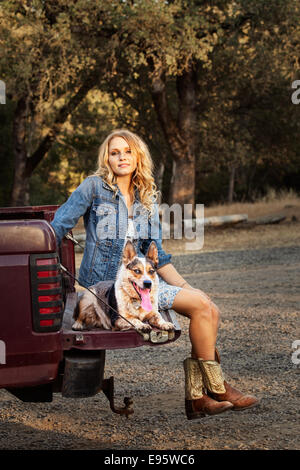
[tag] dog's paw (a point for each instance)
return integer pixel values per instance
(122, 325)
(140, 325)
(166, 325)
(77, 326)
(145, 327)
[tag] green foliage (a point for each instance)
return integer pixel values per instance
(245, 54)
(250, 123)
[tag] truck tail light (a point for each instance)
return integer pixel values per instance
(46, 288)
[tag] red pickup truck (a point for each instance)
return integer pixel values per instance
(40, 354)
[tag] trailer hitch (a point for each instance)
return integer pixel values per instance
(108, 390)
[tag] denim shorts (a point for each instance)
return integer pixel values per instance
(166, 294)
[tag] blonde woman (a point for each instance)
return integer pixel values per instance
(117, 202)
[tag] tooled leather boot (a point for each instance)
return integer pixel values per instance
(239, 400)
(197, 403)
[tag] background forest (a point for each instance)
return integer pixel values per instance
(207, 84)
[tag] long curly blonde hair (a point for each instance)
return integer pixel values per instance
(142, 178)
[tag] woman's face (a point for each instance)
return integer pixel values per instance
(120, 157)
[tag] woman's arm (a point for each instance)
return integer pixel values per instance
(172, 276)
(67, 216)
(165, 268)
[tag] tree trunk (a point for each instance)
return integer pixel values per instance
(183, 185)
(159, 177)
(180, 133)
(231, 184)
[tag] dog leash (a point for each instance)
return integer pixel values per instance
(160, 336)
(63, 268)
(76, 242)
(154, 336)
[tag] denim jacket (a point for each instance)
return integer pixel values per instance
(105, 218)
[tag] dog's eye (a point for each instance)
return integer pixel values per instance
(151, 271)
(137, 271)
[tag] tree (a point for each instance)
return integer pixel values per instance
(48, 73)
(164, 51)
(154, 58)
(249, 90)
(171, 48)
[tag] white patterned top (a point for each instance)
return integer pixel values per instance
(130, 234)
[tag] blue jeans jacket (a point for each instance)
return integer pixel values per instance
(105, 219)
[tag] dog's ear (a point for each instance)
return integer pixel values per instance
(128, 253)
(152, 253)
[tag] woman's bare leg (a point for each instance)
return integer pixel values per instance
(204, 321)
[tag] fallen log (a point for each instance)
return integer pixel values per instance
(213, 221)
(217, 221)
(269, 219)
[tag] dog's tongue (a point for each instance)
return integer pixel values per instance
(146, 302)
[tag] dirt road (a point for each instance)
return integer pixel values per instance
(258, 294)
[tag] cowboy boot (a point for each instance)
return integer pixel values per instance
(197, 403)
(211, 370)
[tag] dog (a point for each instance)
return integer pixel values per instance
(134, 295)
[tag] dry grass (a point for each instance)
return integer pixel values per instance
(241, 238)
(247, 236)
(272, 203)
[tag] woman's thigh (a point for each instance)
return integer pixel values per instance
(188, 301)
(166, 294)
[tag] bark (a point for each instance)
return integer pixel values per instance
(183, 185)
(231, 184)
(180, 133)
(159, 177)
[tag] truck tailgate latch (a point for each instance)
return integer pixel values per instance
(79, 339)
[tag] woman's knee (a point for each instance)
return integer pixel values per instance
(205, 309)
(195, 303)
(215, 314)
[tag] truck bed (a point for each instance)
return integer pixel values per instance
(99, 339)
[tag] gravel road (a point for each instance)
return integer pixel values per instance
(258, 294)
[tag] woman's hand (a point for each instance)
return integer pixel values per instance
(172, 277)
